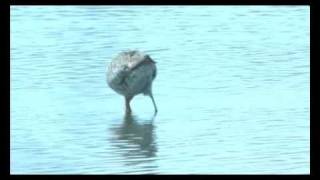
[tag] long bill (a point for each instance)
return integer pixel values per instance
(154, 103)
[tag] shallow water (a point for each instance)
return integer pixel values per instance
(232, 90)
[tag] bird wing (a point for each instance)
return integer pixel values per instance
(117, 74)
(119, 70)
(140, 62)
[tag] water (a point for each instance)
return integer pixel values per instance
(232, 90)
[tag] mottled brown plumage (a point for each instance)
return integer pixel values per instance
(131, 73)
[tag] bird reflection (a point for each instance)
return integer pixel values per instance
(135, 140)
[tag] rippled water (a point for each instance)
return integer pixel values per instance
(232, 90)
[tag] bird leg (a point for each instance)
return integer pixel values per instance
(154, 103)
(128, 109)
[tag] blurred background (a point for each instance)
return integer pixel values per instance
(232, 90)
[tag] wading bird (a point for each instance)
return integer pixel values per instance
(131, 73)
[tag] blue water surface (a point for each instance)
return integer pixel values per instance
(232, 90)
